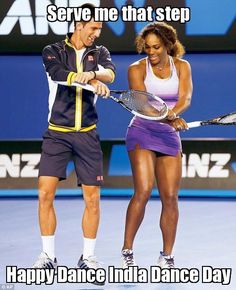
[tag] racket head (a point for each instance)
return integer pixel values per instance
(139, 103)
(144, 104)
(228, 119)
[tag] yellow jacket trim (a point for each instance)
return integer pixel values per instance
(112, 73)
(68, 43)
(71, 78)
(67, 130)
(78, 101)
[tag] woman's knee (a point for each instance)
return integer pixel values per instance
(169, 198)
(142, 196)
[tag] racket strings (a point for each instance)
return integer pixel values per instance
(229, 119)
(143, 103)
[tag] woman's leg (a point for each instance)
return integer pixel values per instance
(168, 172)
(142, 163)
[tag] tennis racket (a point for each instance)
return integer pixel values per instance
(228, 119)
(139, 103)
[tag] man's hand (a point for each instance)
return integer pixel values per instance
(84, 77)
(100, 88)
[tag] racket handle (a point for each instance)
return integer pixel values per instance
(118, 91)
(194, 124)
(83, 86)
(114, 99)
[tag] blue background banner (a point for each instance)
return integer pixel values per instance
(24, 96)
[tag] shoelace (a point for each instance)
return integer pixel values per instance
(129, 258)
(93, 263)
(42, 261)
(170, 262)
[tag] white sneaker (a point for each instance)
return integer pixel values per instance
(44, 262)
(127, 258)
(166, 261)
(90, 263)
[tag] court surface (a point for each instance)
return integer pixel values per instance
(206, 237)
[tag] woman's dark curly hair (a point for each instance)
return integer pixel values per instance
(168, 35)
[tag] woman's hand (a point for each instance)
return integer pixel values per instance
(171, 115)
(179, 124)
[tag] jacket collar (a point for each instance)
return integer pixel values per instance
(68, 42)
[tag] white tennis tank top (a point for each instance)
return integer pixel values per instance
(167, 89)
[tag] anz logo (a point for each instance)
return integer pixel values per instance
(208, 17)
(206, 165)
(19, 165)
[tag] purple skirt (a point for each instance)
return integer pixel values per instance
(164, 142)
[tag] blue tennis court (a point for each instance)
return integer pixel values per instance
(206, 237)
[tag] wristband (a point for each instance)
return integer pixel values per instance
(94, 74)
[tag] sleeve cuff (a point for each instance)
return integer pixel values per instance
(70, 78)
(112, 74)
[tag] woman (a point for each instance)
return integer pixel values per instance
(154, 148)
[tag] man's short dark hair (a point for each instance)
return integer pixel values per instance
(91, 7)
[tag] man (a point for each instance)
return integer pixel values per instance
(72, 132)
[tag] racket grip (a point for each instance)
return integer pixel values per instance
(194, 124)
(83, 86)
(114, 99)
(118, 91)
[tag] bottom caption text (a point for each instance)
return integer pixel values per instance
(154, 274)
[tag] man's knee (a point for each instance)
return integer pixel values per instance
(92, 198)
(45, 197)
(46, 189)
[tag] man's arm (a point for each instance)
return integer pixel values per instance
(105, 73)
(54, 67)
